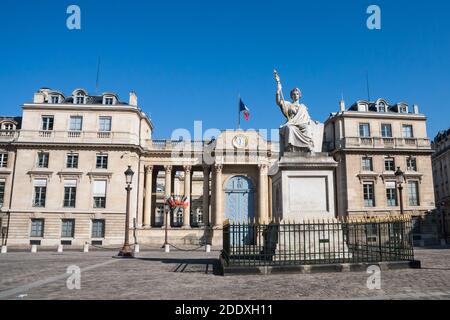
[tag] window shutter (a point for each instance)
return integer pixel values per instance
(100, 188)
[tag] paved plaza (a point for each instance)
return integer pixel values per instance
(191, 275)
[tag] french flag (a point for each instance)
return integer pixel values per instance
(243, 107)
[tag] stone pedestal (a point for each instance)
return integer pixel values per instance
(303, 199)
(303, 186)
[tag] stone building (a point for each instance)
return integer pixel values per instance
(441, 173)
(370, 140)
(62, 175)
(62, 172)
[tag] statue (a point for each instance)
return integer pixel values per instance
(296, 133)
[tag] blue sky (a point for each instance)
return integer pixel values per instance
(189, 60)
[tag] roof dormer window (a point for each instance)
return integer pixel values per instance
(54, 99)
(108, 100)
(403, 109)
(79, 99)
(381, 107)
(362, 107)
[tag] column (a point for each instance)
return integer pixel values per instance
(218, 214)
(263, 196)
(148, 195)
(167, 192)
(206, 170)
(187, 193)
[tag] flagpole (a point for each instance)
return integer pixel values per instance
(239, 111)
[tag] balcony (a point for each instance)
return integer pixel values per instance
(383, 143)
(94, 137)
(8, 135)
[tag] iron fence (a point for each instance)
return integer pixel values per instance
(317, 242)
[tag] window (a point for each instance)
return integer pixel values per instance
(2, 191)
(105, 124)
(3, 160)
(367, 164)
(407, 131)
(109, 100)
(413, 193)
(102, 161)
(79, 99)
(72, 161)
(389, 164)
(381, 107)
(403, 109)
(369, 196)
(37, 228)
(100, 194)
(98, 228)
(76, 123)
(43, 159)
(8, 127)
(411, 164)
(159, 215)
(391, 193)
(55, 99)
(47, 123)
(40, 189)
(70, 193)
(68, 228)
(386, 130)
(364, 130)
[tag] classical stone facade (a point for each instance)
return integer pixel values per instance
(62, 171)
(441, 173)
(370, 141)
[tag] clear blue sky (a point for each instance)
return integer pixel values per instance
(188, 60)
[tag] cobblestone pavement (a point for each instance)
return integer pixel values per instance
(189, 275)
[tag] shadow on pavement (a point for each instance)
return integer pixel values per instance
(184, 265)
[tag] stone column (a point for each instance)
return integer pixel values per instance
(187, 193)
(263, 194)
(167, 191)
(148, 195)
(218, 214)
(206, 170)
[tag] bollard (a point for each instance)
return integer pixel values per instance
(136, 248)
(208, 248)
(4, 249)
(60, 248)
(86, 247)
(167, 248)
(33, 248)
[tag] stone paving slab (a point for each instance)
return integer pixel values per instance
(191, 275)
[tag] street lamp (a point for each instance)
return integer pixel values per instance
(400, 180)
(126, 251)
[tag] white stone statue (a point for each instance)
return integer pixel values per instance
(297, 133)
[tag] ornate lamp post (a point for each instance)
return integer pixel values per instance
(400, 180)
(126, 249)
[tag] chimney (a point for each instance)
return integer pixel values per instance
(39, 97)
(416, 109)
(133, 99)
(342, 105)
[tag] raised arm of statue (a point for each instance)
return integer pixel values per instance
(279, 95)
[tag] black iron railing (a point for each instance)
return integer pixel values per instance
(318, 242)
